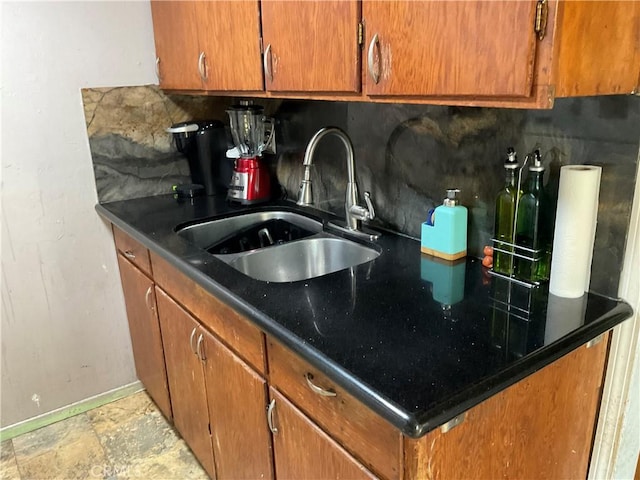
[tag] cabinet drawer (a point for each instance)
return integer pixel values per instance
(367, 436)
(237, 332)
(132, 250)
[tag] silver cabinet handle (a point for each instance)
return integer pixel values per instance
(191, 339)
(146, 297)
(202, 68)
(199, 350)
(270, 409)
(374, 47)
(320, 391)
(158, 69)
(129, 254)
(266, 62)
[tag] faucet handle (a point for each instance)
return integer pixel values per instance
(367, 199)
(363, 213)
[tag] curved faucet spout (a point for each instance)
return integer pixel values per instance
(354, 213)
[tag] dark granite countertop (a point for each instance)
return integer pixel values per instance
(417, 340)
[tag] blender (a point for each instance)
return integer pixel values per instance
(250, 181)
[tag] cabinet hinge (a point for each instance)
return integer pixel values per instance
(454, 422)
(542, 11)
(595, 341)
(361, 34)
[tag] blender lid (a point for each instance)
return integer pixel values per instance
(246, 108)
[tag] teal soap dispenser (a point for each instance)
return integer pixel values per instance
(444, 234)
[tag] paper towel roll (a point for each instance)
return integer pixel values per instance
(575, 230)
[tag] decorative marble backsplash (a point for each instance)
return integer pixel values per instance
(132, 154)
(406, 155)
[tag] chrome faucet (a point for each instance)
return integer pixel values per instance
(354, 213)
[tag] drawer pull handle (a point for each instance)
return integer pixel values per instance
(270, 409)
(267, 63)
(374, 47)
(129, 254)
(199, 350)
(191, 340)
(320, 391)
(146, 297)
(202, 67)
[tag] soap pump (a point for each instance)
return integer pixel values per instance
(444, 234)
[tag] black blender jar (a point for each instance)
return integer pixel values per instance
(204, 144)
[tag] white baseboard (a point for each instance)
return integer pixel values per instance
(62, 413)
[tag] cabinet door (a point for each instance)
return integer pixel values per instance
(180, 333)
(452, 48)
(311, 46)
(176, 36)
(542, 427)
(229, 35)
(302, 450)
(144, 328)
(237, 405)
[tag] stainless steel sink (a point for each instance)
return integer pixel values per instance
(303, 259)
(310, 253)
(207, 234)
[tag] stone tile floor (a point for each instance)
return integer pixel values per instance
(126, 439)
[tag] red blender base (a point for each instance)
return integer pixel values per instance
(250, 182)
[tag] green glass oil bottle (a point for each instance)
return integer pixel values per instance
(506, 202)
(532, 226)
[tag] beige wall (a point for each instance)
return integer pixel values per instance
(64, 336)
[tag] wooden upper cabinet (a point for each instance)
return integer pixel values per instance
(451, 52)
(449, 48)
(229, 36)
(606, 60)
(311, 46)
(208, 45)
(177, 50)
(489, 53)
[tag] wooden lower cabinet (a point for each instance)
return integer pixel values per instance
(369, 438)
(146, 341)
(540, 427)
(219, 401)
(302, 450)
(242, 336)
(180, 333)
(237, 406)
